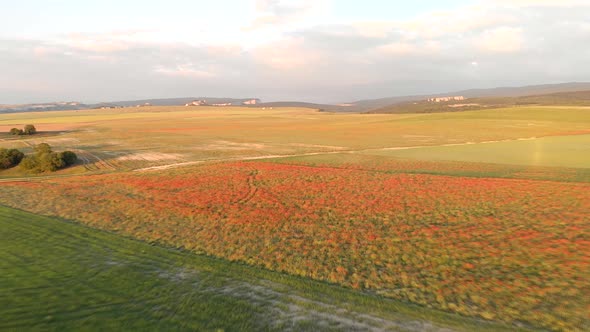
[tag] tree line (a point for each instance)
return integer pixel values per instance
(27, 130)
(43, 159)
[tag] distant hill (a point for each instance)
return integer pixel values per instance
(553, 94)
(53, 106)
(570, 98)
(64, 106)
(175, 101)
(526, 90)
(376, 105)
(321, 107)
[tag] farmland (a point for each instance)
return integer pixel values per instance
(137, 138)
(481, 214)
(57, 275)
(559, 151)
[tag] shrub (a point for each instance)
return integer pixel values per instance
(29, 130)
(10, 158)
(29, 163)
(45, 160)
(42, 148)
(68, 157)
(16, 131)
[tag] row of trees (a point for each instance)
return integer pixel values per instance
(42, 160)
(28, 130)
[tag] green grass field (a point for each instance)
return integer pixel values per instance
(61, 276)
(561, 151)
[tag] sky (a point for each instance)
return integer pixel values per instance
(310, 50)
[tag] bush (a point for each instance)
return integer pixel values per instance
(68, 157)
(10, 158)
(45, 160)
(16, 131)
(29, 163)
(30, 130)
(42, 148)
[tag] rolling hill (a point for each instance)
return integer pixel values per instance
(570, 98)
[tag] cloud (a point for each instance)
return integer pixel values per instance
(456, 22)
(184, 70)
(286, 55)
(501, 40)
(283, 12)
(290, 55)
(539, 3)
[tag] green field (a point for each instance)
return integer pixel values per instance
(562, 151)
(61, 276)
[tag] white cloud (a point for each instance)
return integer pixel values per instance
(501, 40)
(376, 29)
(188, 70)
(284, 12)
(287, 54)
(538, 3)
(397, 48)
(441, 23)
(290, 52)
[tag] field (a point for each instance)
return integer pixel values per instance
(482, 214)
(559, 151)
(61, 276)
(132, 138)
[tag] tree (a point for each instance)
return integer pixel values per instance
(68, 157)
(30, 130)
(42, 148)
(45, 160)
(29, 163)
(10, 158)
(16, 131)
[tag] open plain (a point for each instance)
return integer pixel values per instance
(460, 221)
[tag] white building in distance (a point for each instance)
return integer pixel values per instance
(251, 102)
(444, 99)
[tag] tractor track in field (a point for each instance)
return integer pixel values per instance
(252, 188)
(93, 162)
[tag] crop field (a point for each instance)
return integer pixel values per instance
(479, 214)
(472, 246)
(134, 138)
(61, 276)
(558, 151)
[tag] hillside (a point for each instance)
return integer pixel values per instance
(553, 94)
(380, 105)
(66, 106)
(572, 98)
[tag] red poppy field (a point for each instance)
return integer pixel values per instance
(512, 250)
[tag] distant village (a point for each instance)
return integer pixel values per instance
(445, 99)
(203, 102)
(198, 102)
